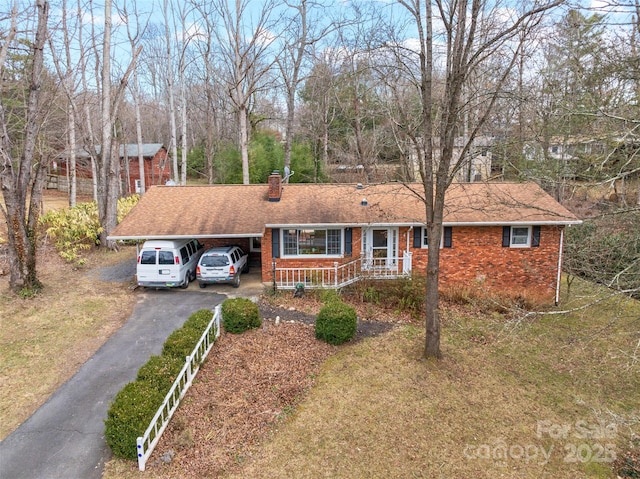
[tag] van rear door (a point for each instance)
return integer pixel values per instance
(157, 267)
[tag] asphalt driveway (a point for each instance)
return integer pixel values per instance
(64, 438)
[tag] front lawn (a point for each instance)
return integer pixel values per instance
(555, 395)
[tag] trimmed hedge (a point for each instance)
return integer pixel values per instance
(160, 372)
(199, 320)
(239, 315)
(336, 323)
(181, 342)
(129, 416)
(134, 406)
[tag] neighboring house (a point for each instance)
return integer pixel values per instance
(564, 149)
(476, 166)
(506, 236)
(566, 153)
(157, 168)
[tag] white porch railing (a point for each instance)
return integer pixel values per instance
(338, 276)
(148, 441)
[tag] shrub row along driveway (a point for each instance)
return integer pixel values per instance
(65, 437)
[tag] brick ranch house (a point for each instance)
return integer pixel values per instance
(507, 236)
(157, 168)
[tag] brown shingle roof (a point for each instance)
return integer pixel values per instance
(244, 210)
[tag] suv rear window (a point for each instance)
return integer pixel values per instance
(214, 260)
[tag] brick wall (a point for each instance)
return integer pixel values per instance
(476, 257)
(213, 242)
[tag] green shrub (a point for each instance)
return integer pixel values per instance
(199, 320)
(76, 229)
(329, 296)
(160, 372)
(405, 295)
(181, 343)
(336, 323)
(129, 416)
(239, 315)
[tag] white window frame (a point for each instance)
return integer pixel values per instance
(424, 236)
(512, 236)
(310, 255)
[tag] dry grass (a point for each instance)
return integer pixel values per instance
(493, 407)
(44, 340)
(380, 411)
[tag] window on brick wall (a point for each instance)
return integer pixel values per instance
(421, 240)
(304, 242)
(521, 236)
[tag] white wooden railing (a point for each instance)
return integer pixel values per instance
(148, 441)
(340, 275)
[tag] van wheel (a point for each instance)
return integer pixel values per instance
(187, 277)
(202, 285)
(236, 280)
(245, 270)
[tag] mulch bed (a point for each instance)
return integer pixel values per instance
(249, 383)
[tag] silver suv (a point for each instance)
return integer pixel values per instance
(222, 265)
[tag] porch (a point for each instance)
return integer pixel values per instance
(340, 275)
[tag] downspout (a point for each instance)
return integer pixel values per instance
(407, 264)
(559, 278)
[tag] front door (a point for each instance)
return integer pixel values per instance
(380, 247)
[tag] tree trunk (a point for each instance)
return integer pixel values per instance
(106, 167)
(71, 161)
(183, 136)
(141, 172)
(173, 144)
(244, 143)
(21, 228)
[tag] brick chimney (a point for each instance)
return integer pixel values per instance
(275, 186)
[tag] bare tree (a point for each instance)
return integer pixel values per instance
(108, 157)
(244, 60)
(133, 37)
(67, 74)
(319, 109)
(473, 32)
(301, 33)
(22, 171)
(210, 107)
(173, 143)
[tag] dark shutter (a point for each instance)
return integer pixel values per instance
(535, 240)
(275, 242)
(348, 241)
(506, 236)
(417, 236)
(448, 236)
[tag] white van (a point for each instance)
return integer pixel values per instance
(168, 263)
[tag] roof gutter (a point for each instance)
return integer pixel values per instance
(408, 224)
(175, 237)
(507, 222)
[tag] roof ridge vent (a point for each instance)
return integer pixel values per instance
(359, 186)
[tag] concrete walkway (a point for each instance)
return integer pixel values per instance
(64, 438)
